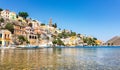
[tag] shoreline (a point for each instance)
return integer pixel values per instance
(60, 47)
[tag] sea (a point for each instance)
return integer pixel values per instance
(66, 58)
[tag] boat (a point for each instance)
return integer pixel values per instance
(31, 46)
(60, 46)
(43, 45)
(27, 46)
(21, 46)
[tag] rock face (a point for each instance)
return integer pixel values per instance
(115, 41)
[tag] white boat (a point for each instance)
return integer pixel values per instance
(31, 46)
(27, 46)
(21, 46)
(43, 45)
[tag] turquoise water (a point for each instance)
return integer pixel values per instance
(61, 59)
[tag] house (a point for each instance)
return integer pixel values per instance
(35, 23)
(8, 15)
(5, 13)
(33, 39)
(98, 42)
(19, 30)
(31, 36)
(5, 38)
(12, 15)
(37, 30)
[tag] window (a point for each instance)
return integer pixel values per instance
(0, 43)
(0, 35)
(5, 36)
(8, 35)
(30, 36)
(35, 37)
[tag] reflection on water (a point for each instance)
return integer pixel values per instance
(60, 59)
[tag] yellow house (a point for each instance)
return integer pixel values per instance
(5, 38)
(98, 42)
(33, 39)
(12, 15)
(72, 40)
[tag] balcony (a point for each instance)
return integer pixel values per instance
(0, 38)
(7, 38)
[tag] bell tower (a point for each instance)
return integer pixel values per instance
(50, 22)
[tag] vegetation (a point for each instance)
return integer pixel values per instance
(22, 39)
(54, 41)
(65, 34)
(79, 35)
(58, 41)
(42, 24)
(10, 27)
(54, 25)
(89, 41)
(73, 34)
(1, 20)
(1, 9)
(23, 14)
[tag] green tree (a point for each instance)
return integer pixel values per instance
(1, 9)
(54, 25)
(10, 27)
(84, 39)
(65, 34)
(58, 41)
(54, 41)
(73, 33)
(78, 35)
(42, 24)
(94, 38)
(1, 20)
(23, 14)
(60, 35)
(89, 41)
(23, 39)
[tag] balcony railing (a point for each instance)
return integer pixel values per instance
(7, 38)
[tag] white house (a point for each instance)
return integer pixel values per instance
(8, 15)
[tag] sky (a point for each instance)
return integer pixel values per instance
(98, 18)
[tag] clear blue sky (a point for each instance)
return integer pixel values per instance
(98, 18)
